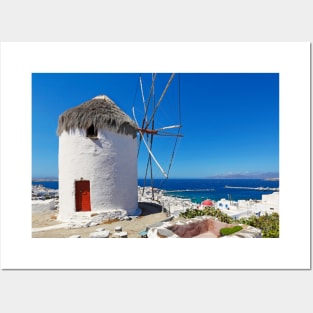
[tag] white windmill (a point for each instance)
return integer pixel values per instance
(97, 159)
(98, 154)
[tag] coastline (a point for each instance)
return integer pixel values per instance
(198, 190)
(156, 204)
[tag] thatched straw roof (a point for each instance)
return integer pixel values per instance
(102, 113)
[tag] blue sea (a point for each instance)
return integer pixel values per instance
(198, 190)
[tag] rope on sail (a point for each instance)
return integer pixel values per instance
(146, 106)
(146, 123)
(151, 92)
(161, 98)
(142, 95)
(178, 132)
(149, 150)
(179, 129)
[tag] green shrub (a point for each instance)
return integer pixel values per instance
(209, 211)
(228, 231)
(269, 224)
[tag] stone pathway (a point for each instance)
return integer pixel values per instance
(57, 226)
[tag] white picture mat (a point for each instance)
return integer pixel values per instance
(20, 251)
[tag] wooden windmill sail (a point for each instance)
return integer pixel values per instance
(147, 127)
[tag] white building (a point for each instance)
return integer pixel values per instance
(230, 208)
(246, 208)
(224, 204)
(271, 202)
(97, 159)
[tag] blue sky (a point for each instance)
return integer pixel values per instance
(230, 122)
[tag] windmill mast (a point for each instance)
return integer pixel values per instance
(147, 130)
(151, 142)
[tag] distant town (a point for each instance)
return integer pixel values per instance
(45, 179)
(49, 179)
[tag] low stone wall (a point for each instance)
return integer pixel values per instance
(89, 219)
(43, 205)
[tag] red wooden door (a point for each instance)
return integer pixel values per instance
(82, 195)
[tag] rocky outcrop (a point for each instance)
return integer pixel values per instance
(100, 234)
(203, 226)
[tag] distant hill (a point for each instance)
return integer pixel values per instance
(266, 176)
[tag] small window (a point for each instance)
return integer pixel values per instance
(91, 131)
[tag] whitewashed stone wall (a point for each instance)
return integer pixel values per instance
(109, 163)
(43, 205)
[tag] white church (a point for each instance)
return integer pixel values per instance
(97, 159)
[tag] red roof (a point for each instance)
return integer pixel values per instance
(207, 202)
